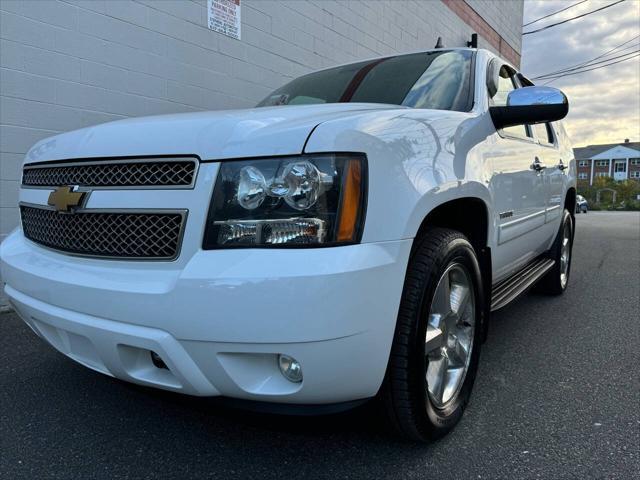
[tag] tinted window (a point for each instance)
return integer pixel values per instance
(505, 86)
(506, 83)
(438, 80)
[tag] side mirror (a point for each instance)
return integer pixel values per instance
(528, 105)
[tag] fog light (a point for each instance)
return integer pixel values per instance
(290, 368)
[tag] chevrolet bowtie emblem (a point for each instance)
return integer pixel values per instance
(64, 199)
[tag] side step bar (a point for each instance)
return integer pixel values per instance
(508, 290)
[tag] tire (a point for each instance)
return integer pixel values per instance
(556, 281)
(416, 408)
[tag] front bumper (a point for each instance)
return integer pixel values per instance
(220, 320)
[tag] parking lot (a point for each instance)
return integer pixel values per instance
(557, 396)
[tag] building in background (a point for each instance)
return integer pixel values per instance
(620, 161)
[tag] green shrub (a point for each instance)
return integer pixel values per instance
(633, 205)
(627, 193)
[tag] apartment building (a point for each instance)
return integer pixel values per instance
(620, 161)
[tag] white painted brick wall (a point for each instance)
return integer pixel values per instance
(505, 16)
(66, 64)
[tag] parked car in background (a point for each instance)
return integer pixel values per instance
(582, 206)
(347, 239)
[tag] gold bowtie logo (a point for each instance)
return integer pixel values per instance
(64, 199)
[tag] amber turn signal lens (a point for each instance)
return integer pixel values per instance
(349, 209)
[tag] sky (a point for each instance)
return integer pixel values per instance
(604, 104)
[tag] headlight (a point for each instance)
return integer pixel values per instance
(307, 200)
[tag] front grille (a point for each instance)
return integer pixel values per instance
(139, 235)
(169, 173)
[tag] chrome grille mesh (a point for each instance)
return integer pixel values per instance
(105, 234)
(140, 173)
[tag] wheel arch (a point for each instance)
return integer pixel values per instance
(469, 216)
(570, 201)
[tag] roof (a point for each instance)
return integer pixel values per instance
(593, 150)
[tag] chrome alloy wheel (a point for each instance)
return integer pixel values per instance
(565, 256)
(449, 339)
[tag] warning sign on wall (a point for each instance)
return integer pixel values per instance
(224, 16)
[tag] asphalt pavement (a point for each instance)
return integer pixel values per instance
(557, 396)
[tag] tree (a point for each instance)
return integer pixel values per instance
(604, 182)
(627, 190)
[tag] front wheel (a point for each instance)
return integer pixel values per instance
(436, 347)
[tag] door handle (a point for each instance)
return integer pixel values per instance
(537, 165)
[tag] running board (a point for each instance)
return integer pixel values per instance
(508, 290)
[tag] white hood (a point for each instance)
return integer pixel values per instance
(210, 135)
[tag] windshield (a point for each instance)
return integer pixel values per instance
(438, 80)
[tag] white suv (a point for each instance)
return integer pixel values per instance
(345, 240)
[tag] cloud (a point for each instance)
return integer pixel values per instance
(604, 103)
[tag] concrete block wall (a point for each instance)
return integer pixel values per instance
(67, 64)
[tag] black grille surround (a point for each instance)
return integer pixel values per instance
(130, 173)
(135, 235)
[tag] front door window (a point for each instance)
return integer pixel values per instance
(506, 84)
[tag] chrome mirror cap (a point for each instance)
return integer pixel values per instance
(529, 105)
(530, 96)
